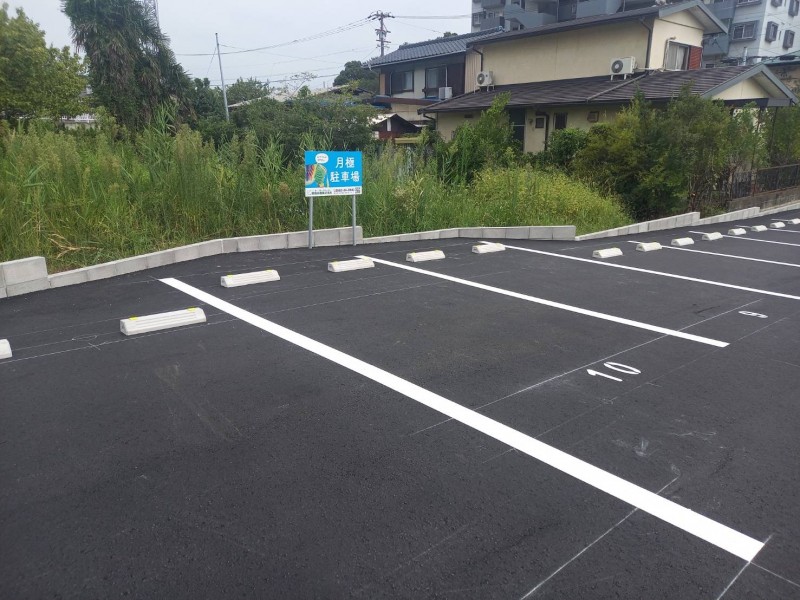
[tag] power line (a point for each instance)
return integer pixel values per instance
(440, 17)
(316, 36)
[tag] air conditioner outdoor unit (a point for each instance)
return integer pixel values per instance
(484, 78)
(623, 66)
(445, 93)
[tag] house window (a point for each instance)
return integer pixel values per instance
(788, 39)
(794, 7)
(402, 81)
(517, 118)
(772, 32)
(560, 121)
(744, 31)
(677, 57)
(539, 122)
(435, 78)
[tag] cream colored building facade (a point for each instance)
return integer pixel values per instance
(662, 40)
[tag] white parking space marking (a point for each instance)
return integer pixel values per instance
(559, 305)
(660, 273)
(745, 239)
(696, 524)
(772, 262)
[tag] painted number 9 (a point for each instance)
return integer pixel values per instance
(619, 368)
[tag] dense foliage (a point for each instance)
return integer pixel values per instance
(132, 69)
(85, 197)
(662, 161)
(36, 80)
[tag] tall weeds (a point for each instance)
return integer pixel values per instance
(80, 198)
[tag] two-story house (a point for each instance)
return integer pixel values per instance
(583, 71)
(419, 74)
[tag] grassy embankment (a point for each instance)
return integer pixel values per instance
(84, 199)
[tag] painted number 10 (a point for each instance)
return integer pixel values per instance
(619, 368)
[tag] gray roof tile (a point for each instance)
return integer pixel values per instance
(456, 44)
(658, 85)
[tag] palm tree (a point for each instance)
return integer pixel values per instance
(131, 67)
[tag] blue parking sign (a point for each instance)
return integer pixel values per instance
(333, 173)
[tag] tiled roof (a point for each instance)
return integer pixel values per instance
(658, 85)
(455, 44)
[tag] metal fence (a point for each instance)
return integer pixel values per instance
(742, 185)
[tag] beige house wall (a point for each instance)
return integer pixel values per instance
(577, 117)
(746, 90)
(681, 28)
(408, 112)
(471, 69)
(565, 55)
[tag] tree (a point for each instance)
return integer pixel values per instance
(206, 101)
(487, 142)
(247, 89)
(354, 73)
(36, 80)
(664, 161)
(131, 67)
(783, 134)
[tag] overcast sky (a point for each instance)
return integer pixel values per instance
(247, 24)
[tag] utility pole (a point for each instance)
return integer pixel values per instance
(381, 31)
(222, 77)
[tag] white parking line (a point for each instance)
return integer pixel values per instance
(559, 305)
(660, 273)
(772, 262)
(696, 524)
(747, 239)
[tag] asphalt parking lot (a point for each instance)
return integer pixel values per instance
(532, 423)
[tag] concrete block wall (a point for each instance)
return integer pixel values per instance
(30, 274)
(777, 209)
(23, 276)
(747, 213)
(684, 220)
(557, 232)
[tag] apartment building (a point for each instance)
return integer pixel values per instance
(513, 15)
(758, 30)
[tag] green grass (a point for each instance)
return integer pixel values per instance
(82, 199)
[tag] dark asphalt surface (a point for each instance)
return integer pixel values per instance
(218, 461)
